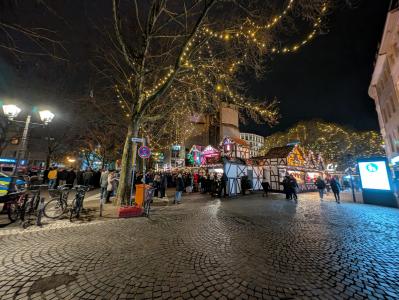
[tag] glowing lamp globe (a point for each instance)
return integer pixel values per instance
(46, 116)
(11, 111)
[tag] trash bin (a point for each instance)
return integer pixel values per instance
(140, 194)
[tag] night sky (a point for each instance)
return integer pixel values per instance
(329, 78)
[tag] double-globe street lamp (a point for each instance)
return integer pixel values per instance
(12, 111)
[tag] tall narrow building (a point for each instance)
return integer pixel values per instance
(384, 87)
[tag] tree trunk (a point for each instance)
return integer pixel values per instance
(48, 159)
(128, 157)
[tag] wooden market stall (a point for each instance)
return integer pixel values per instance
(292, 160)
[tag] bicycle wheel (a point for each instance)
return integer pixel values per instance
(54, 209)
(13, 212)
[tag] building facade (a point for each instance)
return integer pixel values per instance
(256, 142)
(384, 87)
(209, 129)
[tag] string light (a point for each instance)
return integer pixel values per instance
(251, 32)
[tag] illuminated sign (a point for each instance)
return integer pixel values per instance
(374, 175)
(331, 167)
(8, 160)
(176, 147)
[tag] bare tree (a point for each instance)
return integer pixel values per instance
(19, 38)
(168, 57)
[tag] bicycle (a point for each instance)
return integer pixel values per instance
(77, 202)
(15, 205)
(149, 194)
(31, 205)
(58, 204)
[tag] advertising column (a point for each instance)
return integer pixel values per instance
(376, 182)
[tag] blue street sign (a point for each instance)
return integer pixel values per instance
(144, 152)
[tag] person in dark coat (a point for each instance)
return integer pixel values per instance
(163, 184)
(321, 185)
(208, 183)
(70, 178)
(202, 183)
(244, 184)
(79, 177)
(45, 176)
(223, 185)
(179, 189)
(96, 179)
(266, 187)
(293, 186)
(286, 187)
(61, 178)
(336, 188)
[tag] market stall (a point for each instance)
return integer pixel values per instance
(290, 160)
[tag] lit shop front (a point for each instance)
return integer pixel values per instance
(290, 160)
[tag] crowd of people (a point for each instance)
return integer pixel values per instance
(291, 188)
(184, 182)
(214, 184)
(106, 180)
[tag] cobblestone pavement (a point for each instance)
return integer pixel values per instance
(242, 248)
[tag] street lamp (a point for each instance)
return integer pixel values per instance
(46, 116)
(12, 111)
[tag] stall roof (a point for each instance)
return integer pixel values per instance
(236, 141)
(279, 152)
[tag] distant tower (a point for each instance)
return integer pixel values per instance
(211, 129)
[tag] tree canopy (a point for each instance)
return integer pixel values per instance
(336, 143)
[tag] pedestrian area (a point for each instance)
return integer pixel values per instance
(244, 248)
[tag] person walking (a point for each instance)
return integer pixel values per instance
(52, 177)
(266, 187)
(110, 185)
(103, 185)
(179, 188)
(336, 188)
(321, 185)
(286, 187)
(293, 185)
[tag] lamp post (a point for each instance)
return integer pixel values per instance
(12, 111)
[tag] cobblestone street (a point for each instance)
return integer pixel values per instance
(249, 247)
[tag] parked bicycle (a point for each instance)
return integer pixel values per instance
(14, 203)
(58, 203)
(77, 202)
(149, 194)
(31, 207)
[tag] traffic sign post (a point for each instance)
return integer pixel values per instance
(135, 140)
(144, 152)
